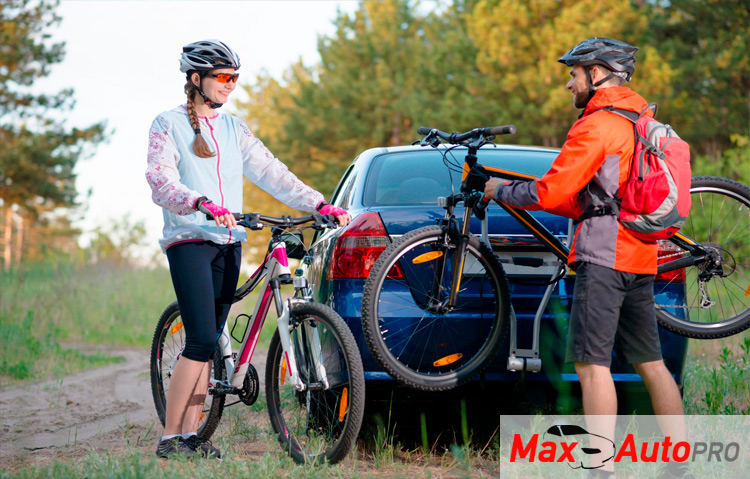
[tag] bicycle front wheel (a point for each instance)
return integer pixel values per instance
(421, 346)
(166, 349)
(320, 422)
(717, 291)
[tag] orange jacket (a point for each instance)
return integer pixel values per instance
(594, 163)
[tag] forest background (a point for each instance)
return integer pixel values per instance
(389, 67)
(392, 65)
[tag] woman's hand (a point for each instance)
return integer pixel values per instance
(221, 215)
(342, 217)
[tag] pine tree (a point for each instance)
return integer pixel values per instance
(39, 152)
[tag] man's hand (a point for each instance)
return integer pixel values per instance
(491, 185)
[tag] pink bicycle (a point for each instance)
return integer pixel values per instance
(314, 381)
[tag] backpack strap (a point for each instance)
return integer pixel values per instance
(607, 210)
(627, 114)
(611, 205)
(633, 117)
(603, 205)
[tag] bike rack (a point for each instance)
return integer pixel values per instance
(528, 359)
(520, 360)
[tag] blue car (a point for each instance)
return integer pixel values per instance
(391, 191)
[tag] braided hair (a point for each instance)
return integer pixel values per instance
(200, 147)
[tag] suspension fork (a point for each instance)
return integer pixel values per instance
(459, 259)
(283, 321)
(453, 238)
(310, 338)
(469, 182)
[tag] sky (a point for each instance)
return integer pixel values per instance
(122, 60)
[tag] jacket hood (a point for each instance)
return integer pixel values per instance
(618, 97)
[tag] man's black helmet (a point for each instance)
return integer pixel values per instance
(613, 54)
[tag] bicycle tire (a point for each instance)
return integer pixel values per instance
(425, 350)
(317, 426)
(169, 340)
(719, 219)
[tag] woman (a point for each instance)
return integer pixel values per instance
(196, 158)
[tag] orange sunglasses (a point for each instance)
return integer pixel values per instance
(225, 77)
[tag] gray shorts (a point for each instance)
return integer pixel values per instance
(612, 309)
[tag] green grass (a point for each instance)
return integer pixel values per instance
(717, 381)
(48, 306)
(135, 464)
(26, 356)
(97, 304)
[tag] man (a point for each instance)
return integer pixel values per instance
(613, 303)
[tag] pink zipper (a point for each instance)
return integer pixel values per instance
(218, 162)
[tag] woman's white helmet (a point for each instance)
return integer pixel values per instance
(208, 55)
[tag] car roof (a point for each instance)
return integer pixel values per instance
(404, 148)
(367, 158)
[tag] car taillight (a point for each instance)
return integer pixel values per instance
(668, 251)
(358, 247)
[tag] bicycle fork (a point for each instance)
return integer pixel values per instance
(461, 238)
(307, 342)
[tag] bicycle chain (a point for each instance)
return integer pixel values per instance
(678, 253)
(705, 301)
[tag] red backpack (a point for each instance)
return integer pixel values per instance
(655, 201)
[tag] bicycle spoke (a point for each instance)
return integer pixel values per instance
(720, 221)
(315, 424)
(410, 323)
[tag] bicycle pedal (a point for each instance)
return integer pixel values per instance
(315, 386)
(223, 391)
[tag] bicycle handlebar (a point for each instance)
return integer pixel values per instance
(456, 138)
(257, 221)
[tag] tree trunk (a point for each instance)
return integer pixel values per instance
(8, 236)
(396, 130)
(19, 242)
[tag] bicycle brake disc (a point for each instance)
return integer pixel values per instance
(250, 386)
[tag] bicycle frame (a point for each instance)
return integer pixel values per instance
(268, 277)
(473, 179)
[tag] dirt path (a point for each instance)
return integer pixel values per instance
(110, 410)
(77, 412)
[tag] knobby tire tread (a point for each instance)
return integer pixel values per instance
(357, 380)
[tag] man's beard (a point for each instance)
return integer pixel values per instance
(581, 99)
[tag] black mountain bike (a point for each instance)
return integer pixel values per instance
(443, 277)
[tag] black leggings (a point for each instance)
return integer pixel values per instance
(204, 276)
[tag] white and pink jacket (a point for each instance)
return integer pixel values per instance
(178, 177)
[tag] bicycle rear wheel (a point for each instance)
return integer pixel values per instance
(416, 345)
(717, 294)
(320, 423)
(166, 348)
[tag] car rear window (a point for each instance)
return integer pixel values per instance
(420, 177)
